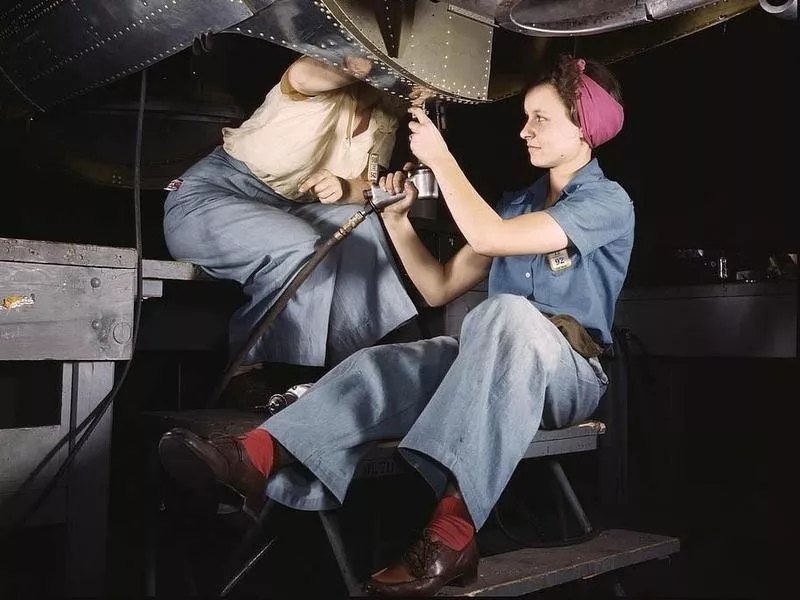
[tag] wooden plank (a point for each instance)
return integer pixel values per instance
(152, 288)
(557, 447)
(21, 449)
(85, 385)
(554, 442)
(89, 255)
(172, 269)
(70, 312)
(383, 460)
(585, 429)
(204, 422)
(531, 569)
(60, 253)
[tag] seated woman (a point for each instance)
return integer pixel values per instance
(465, 410)
(254, 209)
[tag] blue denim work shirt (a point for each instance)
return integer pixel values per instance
(598, 218)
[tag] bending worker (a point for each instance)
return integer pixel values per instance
(254, 209)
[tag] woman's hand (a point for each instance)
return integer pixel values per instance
(357, 66)
(425, 141)
(394, 183)
(326, 186)
(419, 94)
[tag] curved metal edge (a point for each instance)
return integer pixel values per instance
(787, 10)
(639, 14)
(620, 45)
(505, 18)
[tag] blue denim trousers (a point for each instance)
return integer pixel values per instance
(464, 409)
(226, 220)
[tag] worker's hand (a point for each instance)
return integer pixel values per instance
(419, 94)
(324, 185)
(425, 141)
(394, 183)
(357, 66)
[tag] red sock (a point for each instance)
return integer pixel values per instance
(260, 448)
(451, 523)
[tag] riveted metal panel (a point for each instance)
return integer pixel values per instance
(447, 50)
(418, 48)
(53, 50)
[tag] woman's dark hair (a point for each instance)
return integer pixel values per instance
(564, 75)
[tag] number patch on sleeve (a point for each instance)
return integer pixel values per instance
(559, 260)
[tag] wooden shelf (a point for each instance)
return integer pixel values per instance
(531, 569)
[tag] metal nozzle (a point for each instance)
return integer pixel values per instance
(380, 199)
(422, 178)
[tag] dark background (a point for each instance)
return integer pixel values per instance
(708, 156)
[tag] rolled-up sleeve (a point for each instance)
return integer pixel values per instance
(594, 215)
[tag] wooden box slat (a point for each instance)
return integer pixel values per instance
(528, 570)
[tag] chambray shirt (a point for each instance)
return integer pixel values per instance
(598, 217)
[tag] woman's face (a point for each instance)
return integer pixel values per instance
(551, 137)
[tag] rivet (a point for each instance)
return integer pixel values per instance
(122, 332)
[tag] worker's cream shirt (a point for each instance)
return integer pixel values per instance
(290, 136)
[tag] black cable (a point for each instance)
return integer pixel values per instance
(94, 417)
(266, 321)
(19, 91)
(264, 324)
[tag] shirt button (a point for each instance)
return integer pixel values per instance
(527, 275)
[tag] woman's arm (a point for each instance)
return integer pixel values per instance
(330, 188)
(437, 283)
(311, 77)
(485, 231)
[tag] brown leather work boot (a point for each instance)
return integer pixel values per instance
(425, 568)
(198, 463)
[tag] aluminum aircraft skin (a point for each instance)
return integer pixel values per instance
(54, 50)
(66, 66)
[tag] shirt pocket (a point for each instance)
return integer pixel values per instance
(559, 264)
(553, 288)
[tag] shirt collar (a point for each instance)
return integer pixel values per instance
(591, 171)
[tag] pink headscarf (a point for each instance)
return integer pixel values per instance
(601, 116)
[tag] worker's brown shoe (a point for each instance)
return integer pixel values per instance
(425, 568)
(198, 463)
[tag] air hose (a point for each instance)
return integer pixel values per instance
(376, 201)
